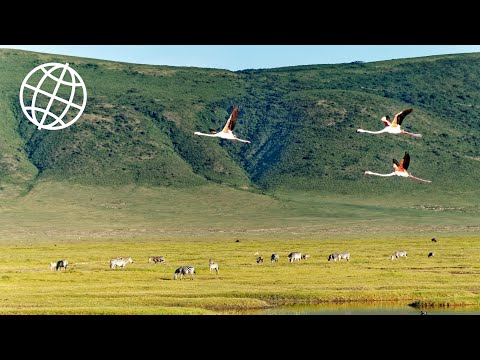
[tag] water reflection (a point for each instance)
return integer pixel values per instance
(377, 308)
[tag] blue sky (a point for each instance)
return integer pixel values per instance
(240, 57)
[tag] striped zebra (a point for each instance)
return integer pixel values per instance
(345, 256)
(274, 258)
(156, 259)
(53, 265)
(333, 257)
(398, 254)
(62, 264)
(184, 270)
(213, 266)
(295, 256)
(305, 256)
(121, 262)
(260, 259)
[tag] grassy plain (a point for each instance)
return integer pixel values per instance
(90, 226)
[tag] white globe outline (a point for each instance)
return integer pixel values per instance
(59, 81)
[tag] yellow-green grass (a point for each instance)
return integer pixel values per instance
(89, 286)
(89, 226)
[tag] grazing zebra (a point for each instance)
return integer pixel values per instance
(431, 254)
(53, 265)
(333, 257)
(184, 270)
(260, 259)
(295, 256)
(345, 256)
(121, 261)
(213, 266)
(274, 258)
(156, 259)
(398, 254)
(62, 264)
(305, 257)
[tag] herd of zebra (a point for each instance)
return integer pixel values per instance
(291, 257)
(297, 256)
(123, 261)
(190, 270)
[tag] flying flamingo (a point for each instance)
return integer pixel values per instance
(394, 126)
(227, 132)
(400, 169)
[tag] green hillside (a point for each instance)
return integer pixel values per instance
(137, 131)
(139, 123)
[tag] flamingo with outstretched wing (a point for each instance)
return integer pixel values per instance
(394, 126)
(227, 131)
(400, 169)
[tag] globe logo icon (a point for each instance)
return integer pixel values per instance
(53, 96)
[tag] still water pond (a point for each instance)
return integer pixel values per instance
(361, 309)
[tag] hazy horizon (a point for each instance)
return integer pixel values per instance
(242, 57)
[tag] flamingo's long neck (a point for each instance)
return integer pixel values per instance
(372, 132)
(372, 173)
(203, 134)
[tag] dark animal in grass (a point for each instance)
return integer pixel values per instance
(62, 264)
(434, 240)
(156, 259)
(431, 254)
